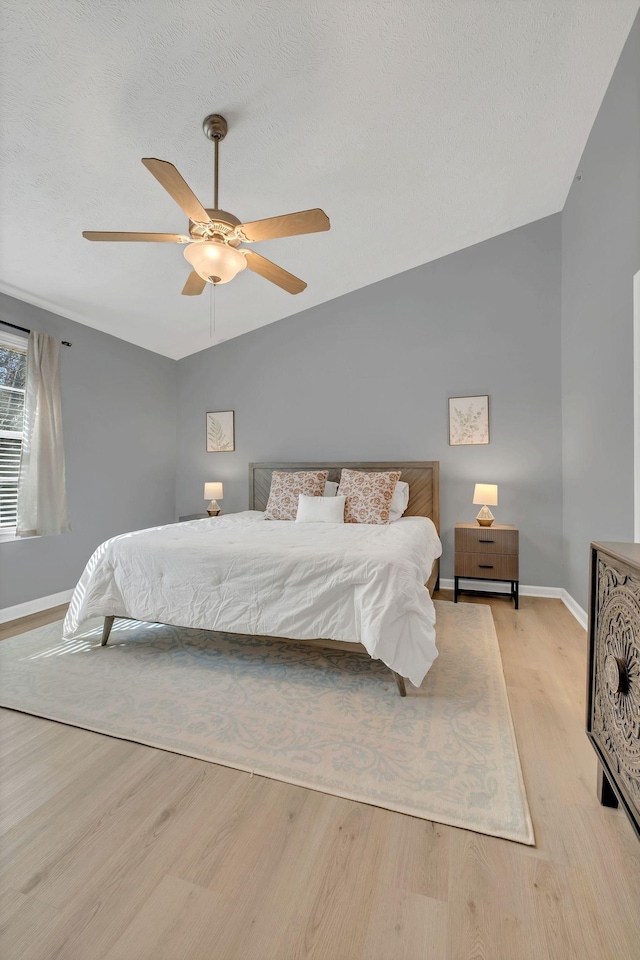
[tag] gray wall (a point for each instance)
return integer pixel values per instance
(600, 254)
(367, 377)
(119, 421)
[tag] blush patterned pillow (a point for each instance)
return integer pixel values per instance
(368, 495)
(286, 488)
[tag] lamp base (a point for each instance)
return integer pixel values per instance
(485, 518)
(213, 509)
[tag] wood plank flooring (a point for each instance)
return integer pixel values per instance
(116, 851)
(13, 627)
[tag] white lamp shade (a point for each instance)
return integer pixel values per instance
(215, 258)
(213, 491)
(486, 494)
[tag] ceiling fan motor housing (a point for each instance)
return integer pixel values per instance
(221, 224)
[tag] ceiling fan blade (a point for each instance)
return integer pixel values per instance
(194, 285)
(274, 273)
(289, 225)
(139, 237)
(173, 182)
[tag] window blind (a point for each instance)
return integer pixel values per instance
(12, 377)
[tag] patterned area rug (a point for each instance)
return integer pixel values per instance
(329, 720)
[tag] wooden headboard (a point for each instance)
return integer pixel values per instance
(423, 478)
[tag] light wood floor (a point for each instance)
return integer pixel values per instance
(116, 851)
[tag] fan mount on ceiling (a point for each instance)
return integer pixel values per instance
(215, 238)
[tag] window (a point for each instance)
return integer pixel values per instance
(13, 371)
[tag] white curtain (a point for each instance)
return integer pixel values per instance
(42, 499)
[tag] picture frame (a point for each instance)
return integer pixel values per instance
(468, 421)
(220, 431)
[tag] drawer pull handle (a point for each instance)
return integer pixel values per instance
(486, 566)
(616, 673)
(486, 541)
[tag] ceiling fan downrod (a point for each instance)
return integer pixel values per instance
(215, 128)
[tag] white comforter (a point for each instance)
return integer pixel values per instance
(243, 574)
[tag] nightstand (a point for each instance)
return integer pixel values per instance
(487, 553)
(194, 516)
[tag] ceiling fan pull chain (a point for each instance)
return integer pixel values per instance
(212, 309)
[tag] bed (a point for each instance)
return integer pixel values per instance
(340, 585)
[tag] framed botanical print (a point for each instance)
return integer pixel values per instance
(220, 432)
(468, 420)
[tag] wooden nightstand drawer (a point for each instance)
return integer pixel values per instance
(498, 538)
(497, 566)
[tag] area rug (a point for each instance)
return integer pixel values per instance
(325, 719)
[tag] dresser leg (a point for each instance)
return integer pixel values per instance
(516, 594)
(455, 589)
(606, 796)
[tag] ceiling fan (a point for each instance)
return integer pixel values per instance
(215, 236)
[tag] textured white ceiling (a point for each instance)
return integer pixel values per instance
(419, 126)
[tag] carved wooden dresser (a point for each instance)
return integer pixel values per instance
(613, 689)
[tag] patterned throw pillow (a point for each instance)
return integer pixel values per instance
(286, 488)
(368, 495)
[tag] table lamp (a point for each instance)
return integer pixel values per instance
(485, 493)
(213, 492)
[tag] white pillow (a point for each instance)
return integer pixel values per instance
(330, 488)
(399, 501)
(320, 509)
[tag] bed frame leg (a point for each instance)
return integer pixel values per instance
(106, 630)
(402, 690)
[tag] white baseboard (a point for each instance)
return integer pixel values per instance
(557, 593)
(498, 587)
(574, 607)
(34, 606)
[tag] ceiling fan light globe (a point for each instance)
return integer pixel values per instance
(214, 258)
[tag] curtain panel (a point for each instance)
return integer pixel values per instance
(42, 499)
